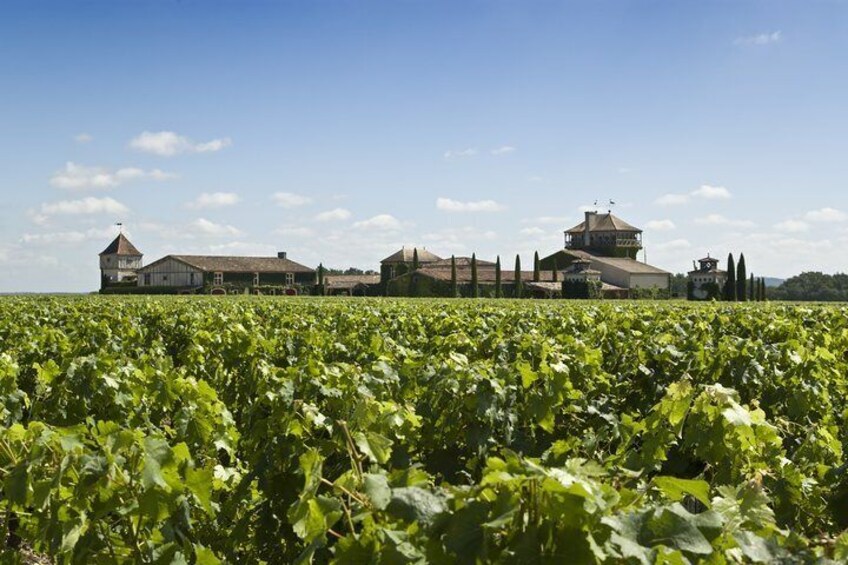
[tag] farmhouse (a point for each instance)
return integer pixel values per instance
(610, 245)
(119, 262)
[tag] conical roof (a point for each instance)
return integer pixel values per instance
(121, 246)
(604, 222)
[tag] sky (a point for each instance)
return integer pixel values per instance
(339, 131)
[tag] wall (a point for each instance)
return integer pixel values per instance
(171, 273)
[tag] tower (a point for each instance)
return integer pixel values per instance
(119, 262)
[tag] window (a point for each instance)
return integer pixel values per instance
(191, 278)
(218, 279)
(289, 279)
(164, 278)
(255, 279)
(146, 279)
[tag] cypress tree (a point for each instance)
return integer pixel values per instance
(498, 288)
(475, 289)
(321, 274)
(555, 272)
(730, 283)
(763, 295)
(453, 276)
(415, 259)
(751, 284)
(537, 268)
(518, 289)
(741, 279)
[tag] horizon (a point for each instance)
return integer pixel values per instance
(342, 131)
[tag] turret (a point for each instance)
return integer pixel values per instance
(119, 262)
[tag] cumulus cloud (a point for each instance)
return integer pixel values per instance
(711, 192)
(290, 199)
(792, 226)
(705, 191)
(719, 220)
(206, 227)
(468, 152)
(673, 244)
(82, 138)
(214, 200)
(660, 225)
(760, 38)
(89, 205)
(169, 143)
(450, 205)
(336, 214)
(502, 150)
(81, 177)
(826, 215)
(68, 237)
(380, 222)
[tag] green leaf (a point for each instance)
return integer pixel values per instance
(71, 532)
(377, 489)
(199, 483)
(675, 489)
(205, 556)
(415, 504)
(377, 447)
(312, 518)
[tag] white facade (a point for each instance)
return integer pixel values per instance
(170, 272)
(629, 273)
(116, 268)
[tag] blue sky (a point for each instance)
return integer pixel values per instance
(339, 131)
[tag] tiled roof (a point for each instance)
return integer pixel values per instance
(212, 263)
(623, 263)
(121, 246)
(604, 223)
(405, 254)
(485, 274)
(350, 281)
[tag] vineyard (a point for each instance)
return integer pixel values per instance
(202, 430)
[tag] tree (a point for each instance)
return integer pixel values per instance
(730, 283)
(454, 288)
(537, 268)
(741, 279)
(321, 274)
(751, 284)
(475, 289)
(498, 288)
(518, 289)
(415, 259)
(555, 271)
(763, 296)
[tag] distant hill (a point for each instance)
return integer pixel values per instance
(774, 281)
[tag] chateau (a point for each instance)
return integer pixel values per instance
(599, 253)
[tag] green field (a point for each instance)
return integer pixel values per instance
(202, 429)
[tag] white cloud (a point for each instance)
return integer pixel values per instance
(760, 38)
(660, 225)
(532, 231)
(214, 200)
(450, 205)
(711, 192)
(705, 191)
(468, 152)
(792, 226)
(203, 226)
(336, 214)
(719, 220)
(169, 143)
(673, 244)
(672, 199)
(502, 150)
(826, 215)
(81, 177)
(69, 237)
(82, 138)
(290, 199)
(89, 205)
(380, 222)
(294, 231)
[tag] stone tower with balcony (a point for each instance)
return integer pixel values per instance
(604, 235)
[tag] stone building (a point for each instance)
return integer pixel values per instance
(119, 262)
(706, 280)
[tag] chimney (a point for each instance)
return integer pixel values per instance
(587, 237)
(281, 254)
